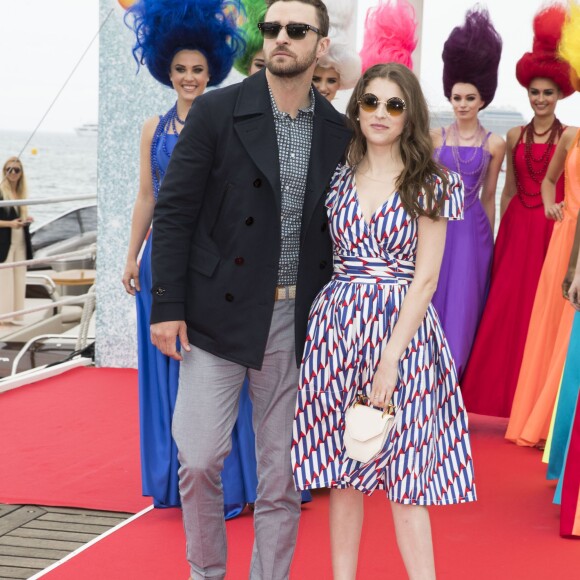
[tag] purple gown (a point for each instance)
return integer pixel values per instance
(464, 277)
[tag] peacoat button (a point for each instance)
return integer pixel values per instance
(257, 182)
(323, 227)
(239, 260)
(160, 291)
(249, 221)
(229, 297)
(322, 264)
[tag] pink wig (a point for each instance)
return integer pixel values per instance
(389, 34)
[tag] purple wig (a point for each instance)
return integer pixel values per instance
(471, 55)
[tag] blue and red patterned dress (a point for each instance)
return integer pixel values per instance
(427, 457)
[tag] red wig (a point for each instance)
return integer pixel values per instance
(543, 61)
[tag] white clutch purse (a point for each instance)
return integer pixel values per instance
(366, 429)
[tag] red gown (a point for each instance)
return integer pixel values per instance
(524, 234)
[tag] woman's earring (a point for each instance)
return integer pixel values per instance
(357, 119)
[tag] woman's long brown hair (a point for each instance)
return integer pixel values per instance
(420, 171)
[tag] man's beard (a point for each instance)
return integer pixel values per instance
(293, 68)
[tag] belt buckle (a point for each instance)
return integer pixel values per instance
(285, 293)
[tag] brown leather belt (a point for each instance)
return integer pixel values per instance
(285, 293)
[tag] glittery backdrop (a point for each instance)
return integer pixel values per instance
(126, 100)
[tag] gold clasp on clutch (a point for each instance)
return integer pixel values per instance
(364, 400)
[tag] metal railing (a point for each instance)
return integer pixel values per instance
(82, 339)
(90, 250)
(19, 202)
(87, 300)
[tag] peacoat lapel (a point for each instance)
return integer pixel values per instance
(330, 137)
(254, 125)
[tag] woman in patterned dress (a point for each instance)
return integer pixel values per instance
(373, 331)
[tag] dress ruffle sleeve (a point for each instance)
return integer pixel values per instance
(335, 181)
(450, 200)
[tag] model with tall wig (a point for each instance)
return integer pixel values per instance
(563, 376)
(186, 45)
(564, 448)
(471, 56)
(551, 319)
(373, 335)
(389, 34)
(15, 243)
(251, 59)
(340, 67)
(490, 380)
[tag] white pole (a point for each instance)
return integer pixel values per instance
(418, 5)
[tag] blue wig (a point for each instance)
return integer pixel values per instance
(164, 27)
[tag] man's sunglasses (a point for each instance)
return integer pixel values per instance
(15, 170)
(370, 103)
(294, 30)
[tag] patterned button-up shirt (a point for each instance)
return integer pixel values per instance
(294, 139)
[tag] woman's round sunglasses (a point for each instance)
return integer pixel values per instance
(294, 30)
(15, 170)
(370, 103)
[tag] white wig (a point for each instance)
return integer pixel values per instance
(341, 55)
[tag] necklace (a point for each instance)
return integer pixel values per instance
(469, 166)
(455, 128)
(454, 133)
(536, 166)
(371, 178)
(544, 132)
(165, 127)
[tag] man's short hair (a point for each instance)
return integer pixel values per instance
(321, 12)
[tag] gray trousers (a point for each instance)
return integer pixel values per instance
(205, 414)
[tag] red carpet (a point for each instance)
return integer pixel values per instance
(73, 440)
(511, 533)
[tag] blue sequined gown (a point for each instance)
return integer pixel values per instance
(158, 380)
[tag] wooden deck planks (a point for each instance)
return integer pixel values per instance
(34, 537)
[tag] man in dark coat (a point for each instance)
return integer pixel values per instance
(240, 249)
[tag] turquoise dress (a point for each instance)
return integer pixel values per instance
(565, 411)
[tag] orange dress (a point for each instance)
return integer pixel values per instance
(550, 325)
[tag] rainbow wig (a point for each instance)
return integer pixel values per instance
(569, 48)
(389, 34)
(471, 55)
(254, 11)
(164, 27)
(341, 55)
(543, 61)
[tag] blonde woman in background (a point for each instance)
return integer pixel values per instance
(14, 239)
(340, 67)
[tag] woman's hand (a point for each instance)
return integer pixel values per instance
(555, 212)
(384, 383)
(574, 292)
(131, 278)
(16, 224)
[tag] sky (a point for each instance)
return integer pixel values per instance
(41, 41)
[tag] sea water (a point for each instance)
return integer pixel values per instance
(65, 164)
(55, 165)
